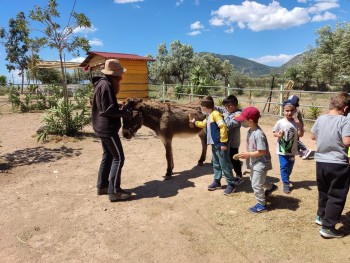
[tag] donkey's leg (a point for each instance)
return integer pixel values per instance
(169, 157)
(203, 138)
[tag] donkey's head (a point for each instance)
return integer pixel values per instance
(133, 124)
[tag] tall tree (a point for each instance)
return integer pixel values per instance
(62, 39)
(17, 39)
(180, 60)
(160, 69)
(227, 71)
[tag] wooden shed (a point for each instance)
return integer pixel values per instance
(135, 79)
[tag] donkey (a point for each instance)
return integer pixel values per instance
(167, 120)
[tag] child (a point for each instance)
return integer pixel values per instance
(216, 131)
(303, 151)
(332, 134)
(288, 130)
(230, 111)
(258, 158)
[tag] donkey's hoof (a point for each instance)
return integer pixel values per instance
(200, 163)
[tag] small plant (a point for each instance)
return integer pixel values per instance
(14, 98)
(314, 112)
(64, 120)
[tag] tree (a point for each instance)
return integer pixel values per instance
(3, 80)
(180, 60)
(61, 39)
(227, 71)
(212, 65)
(160, 69)
(17, 45)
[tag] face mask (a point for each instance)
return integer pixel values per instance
(205, 113)
(244, 124)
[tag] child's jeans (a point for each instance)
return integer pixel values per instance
(286, 167)
(221, 164)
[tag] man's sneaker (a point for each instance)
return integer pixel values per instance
(214, 185)
(269, 192)
(119, 195)
(306, 154)
(331, 233)
(230, 189)
(102, 191)
(238, 180)
(318, 220)
(286, 189)
(258, 208)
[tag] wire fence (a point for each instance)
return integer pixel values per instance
(268, 101)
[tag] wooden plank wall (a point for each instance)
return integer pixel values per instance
(135, 79)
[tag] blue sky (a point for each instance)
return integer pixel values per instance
(269, 32)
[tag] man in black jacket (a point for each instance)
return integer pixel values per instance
(106, 122)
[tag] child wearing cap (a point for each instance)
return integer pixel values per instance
(258, 158)
(303, 151)
(216, 131)
(287, 130)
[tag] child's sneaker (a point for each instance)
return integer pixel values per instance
(331, 233)
(318, 220)
(238, 180)
(306, 154)
(258, 208)
(230, 189)
(286, 189)
(269, 192)
(214, 185)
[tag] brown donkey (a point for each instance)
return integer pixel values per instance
(167, 120)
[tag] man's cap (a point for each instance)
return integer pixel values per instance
(249, 113)
(113, 67)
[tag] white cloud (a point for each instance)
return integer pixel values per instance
(326, 16)
(230, 30)
(196, 25)
(272, 60)
(127, 1)
(95, 42)
(323, 6)
(259, 17)
(179, 2)
(84, 30)
(77, 59)
(196, 2)
(194, 33)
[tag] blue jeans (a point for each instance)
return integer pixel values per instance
(221, 164)
(286, 167)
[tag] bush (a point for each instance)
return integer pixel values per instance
(64, 120)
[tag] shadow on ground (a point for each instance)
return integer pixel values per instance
(35, 155)
(168, 188)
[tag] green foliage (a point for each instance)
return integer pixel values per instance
(179, 91)
(3, 80)
(14, 97)
(64, 120)
(314, 112)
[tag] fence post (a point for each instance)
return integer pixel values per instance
(281, 100)
(163, 91)
(191, 95)
(228, 90)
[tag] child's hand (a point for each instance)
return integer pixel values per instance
(243, 155)
(280, 134)
(223, 148)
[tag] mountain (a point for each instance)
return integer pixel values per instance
(252, 68)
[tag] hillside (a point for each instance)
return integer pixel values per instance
(253, 68)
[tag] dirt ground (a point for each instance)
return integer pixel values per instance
(50, 211)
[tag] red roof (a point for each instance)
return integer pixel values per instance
(109, 55)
